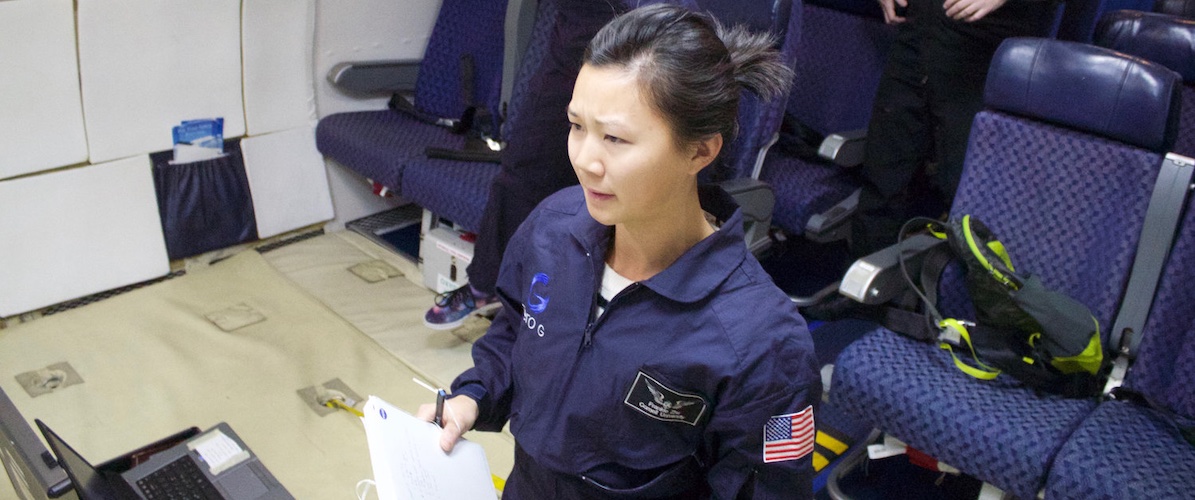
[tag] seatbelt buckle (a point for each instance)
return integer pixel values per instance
(1120, 368)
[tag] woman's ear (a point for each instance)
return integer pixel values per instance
(704, 152)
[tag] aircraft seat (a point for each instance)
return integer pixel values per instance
(379, 144)
(1165, 39)
(1129, 450)
(839, 59)
(1061, 165)
(458, 190)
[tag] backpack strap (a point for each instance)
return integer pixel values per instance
(919, 325)
(982, 370)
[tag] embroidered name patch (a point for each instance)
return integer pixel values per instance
(788, 437)
(651, 398)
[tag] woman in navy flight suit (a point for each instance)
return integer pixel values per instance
(642, 351)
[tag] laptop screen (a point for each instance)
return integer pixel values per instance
(89, 483)
(30, 467)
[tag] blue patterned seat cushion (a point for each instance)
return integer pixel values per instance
(379, 144)
(803, 188)
(1069, 207)
(998, 431)
(455, 190)
(828, 95)
(1123, 451)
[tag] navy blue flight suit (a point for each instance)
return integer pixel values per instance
(668, 393)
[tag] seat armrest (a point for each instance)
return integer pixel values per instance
(877, 278)
(375, 77)
(844, 148)
(756, 200)
(833, 224)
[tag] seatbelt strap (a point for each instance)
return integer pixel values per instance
(399, 103)
(1157, 235)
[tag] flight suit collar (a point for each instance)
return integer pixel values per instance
(702, 268)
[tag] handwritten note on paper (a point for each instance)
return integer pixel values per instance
(408, 463)
(218, 451)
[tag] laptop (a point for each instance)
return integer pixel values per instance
(34, 473)
(214, 464)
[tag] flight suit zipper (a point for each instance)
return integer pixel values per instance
(589, 328)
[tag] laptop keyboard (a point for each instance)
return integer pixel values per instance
(180, 479)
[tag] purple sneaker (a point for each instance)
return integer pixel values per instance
(453, 307)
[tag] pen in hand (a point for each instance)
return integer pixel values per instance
(440, 396)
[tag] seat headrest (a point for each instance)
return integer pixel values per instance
(1181, 8)
(1088, 88)
(1165, 39)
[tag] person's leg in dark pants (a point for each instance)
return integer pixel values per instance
(957, 57)
(899, 141)
(535, 161)
(930, 93)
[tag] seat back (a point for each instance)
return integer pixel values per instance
(759, 120)
(1181, 8)
(1165, 39)
(467, 32)
(839, 57)
(547, 12)
(1061, 164)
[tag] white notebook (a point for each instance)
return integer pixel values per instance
(409, 464)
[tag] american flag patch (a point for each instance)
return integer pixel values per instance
(788, 437)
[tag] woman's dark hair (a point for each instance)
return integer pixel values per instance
(691, 67)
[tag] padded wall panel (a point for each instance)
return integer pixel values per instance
(146, 65)
(288, 180)
(278, 38)
(41, 124)
(76, 232)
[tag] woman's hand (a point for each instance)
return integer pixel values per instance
(460, 413)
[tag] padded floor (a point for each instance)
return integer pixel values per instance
(389, 311)
(153, 364)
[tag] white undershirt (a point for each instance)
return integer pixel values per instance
(612, 283)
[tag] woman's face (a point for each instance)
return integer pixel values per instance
(624, 153)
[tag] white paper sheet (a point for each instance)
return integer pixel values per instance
(278, 38)
(147, 65)
(409, 464)
(76, 232)
(218, 451)
(288, 180)
(41, 124)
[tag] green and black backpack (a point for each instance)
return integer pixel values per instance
(1041, 337)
